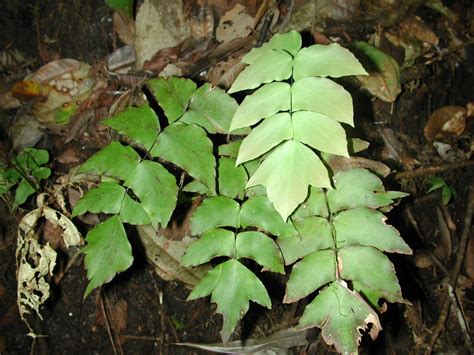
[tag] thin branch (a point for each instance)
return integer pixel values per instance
(433, 169)
(107, 323)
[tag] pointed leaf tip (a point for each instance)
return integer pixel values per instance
(287, 172)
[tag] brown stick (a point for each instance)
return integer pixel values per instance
(433, 169)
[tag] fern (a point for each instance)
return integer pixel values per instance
(269, 197)
(333, 232)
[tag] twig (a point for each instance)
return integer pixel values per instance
(414, 222)
(114, 327)
(433, 169)
(453, 280)
(107, 324)
(142, 337)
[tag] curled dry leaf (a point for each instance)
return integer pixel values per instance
(36, 261)
(416, 27)
(448, 121)
(57, 89)
(340, 163)
(383, 80)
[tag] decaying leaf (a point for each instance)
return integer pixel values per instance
(415, 26)
(36, 261)
(165, 255)
(277, 343)
(234, 24)
(339, 163)
(159, 24)
(383, 80)
(445, 122)
(56, 89)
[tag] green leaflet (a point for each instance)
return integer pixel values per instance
(156, 188)
(330, 60)
(212, 243)
(264, 102)
(369, 191)
(138, 123)
(106, 198)
(315, 205)
(211, 108)
(314, 233)
(173, 95)
(290, 42)
(371, 231)
(23, 191)
(125, 6)
(314, 271)
(259, 212)
(341, 314)
(232, 286)
(108, 252)
(219, 211)
(261, 248)
(271, 132)
(323, 96)
(230, 150)
(380, 279)
(188, 147)
(319, 132)
(287, 172)
(114, 160)
(276, 64)
(232, 178)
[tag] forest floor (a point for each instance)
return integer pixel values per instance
(422, 130)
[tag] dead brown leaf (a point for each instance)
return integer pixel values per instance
(162, 58)
(69, 156)
(125, 27)
(234, 24)
(415, 26)
(448, 121)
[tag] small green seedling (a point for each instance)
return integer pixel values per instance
(26, 171)
(447, 191)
